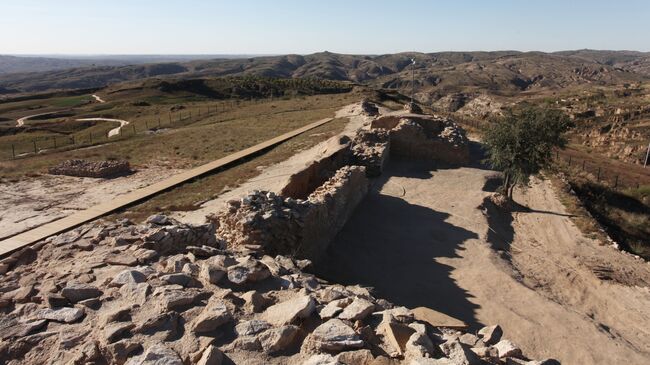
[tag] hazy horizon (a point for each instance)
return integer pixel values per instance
(255, 27)
(233, 55)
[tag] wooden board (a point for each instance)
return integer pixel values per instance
(32, 236)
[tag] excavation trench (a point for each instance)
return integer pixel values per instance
(317, 201)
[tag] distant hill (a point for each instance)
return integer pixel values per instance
(22, 64)
(437, 74)
(14, 64)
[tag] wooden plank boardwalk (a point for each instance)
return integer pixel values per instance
(64, 224)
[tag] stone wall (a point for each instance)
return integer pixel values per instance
(305, 181)
(370, 149)
(426, 138)
(98, 169)
(281, 225)
(331, 205)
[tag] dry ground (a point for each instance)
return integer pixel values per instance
(30, 198)
(419, 239)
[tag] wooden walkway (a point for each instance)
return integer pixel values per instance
(61, 225)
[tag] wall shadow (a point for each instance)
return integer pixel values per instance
(390, 245)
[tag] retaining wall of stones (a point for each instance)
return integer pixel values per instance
(97, 169)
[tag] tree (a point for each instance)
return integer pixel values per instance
(522, 143)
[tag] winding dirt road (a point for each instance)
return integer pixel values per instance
(21, 122)
(112, 132)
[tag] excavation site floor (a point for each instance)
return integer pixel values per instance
(419, 239)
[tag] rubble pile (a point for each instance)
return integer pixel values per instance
(413, 108)
(83, 168)
(370, 148)
(369, 108)
(96, 296)
(264, 220)
(437, 139)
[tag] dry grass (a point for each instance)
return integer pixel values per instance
(205, 139)
(579, 214)
(623, 215)
(190, 195)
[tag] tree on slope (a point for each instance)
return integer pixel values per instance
(522, 143)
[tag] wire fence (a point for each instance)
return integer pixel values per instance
(39, 145)
(599, 173)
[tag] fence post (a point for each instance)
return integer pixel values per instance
(33, 140)
(13, 151)
(583, 165)
(557, 154)
(73, 139)
(146, 124)
(133, 125)
(90, 134)
(569, 161)
(616, 182)
(598, 177)
(54, 141)
(159, 122)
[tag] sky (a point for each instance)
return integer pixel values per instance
(93, 27)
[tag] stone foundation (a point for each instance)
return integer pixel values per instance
(98, 169)
(303, 228)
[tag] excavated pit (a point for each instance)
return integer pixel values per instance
(318, 200)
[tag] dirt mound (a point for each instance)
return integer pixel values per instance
(99, 169)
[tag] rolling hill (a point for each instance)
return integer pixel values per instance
(437, 74)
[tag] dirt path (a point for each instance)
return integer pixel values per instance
(21, 121)
(112, 132)
(419, 240)
(98, 99)
(30, 203)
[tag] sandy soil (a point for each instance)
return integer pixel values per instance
(419, 239)
(33, 202)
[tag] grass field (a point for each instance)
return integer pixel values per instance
(230, 127)
(190, 195)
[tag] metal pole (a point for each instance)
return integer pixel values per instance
(412, 79)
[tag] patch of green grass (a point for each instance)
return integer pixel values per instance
(71, 102)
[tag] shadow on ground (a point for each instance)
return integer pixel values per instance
(392, 246)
